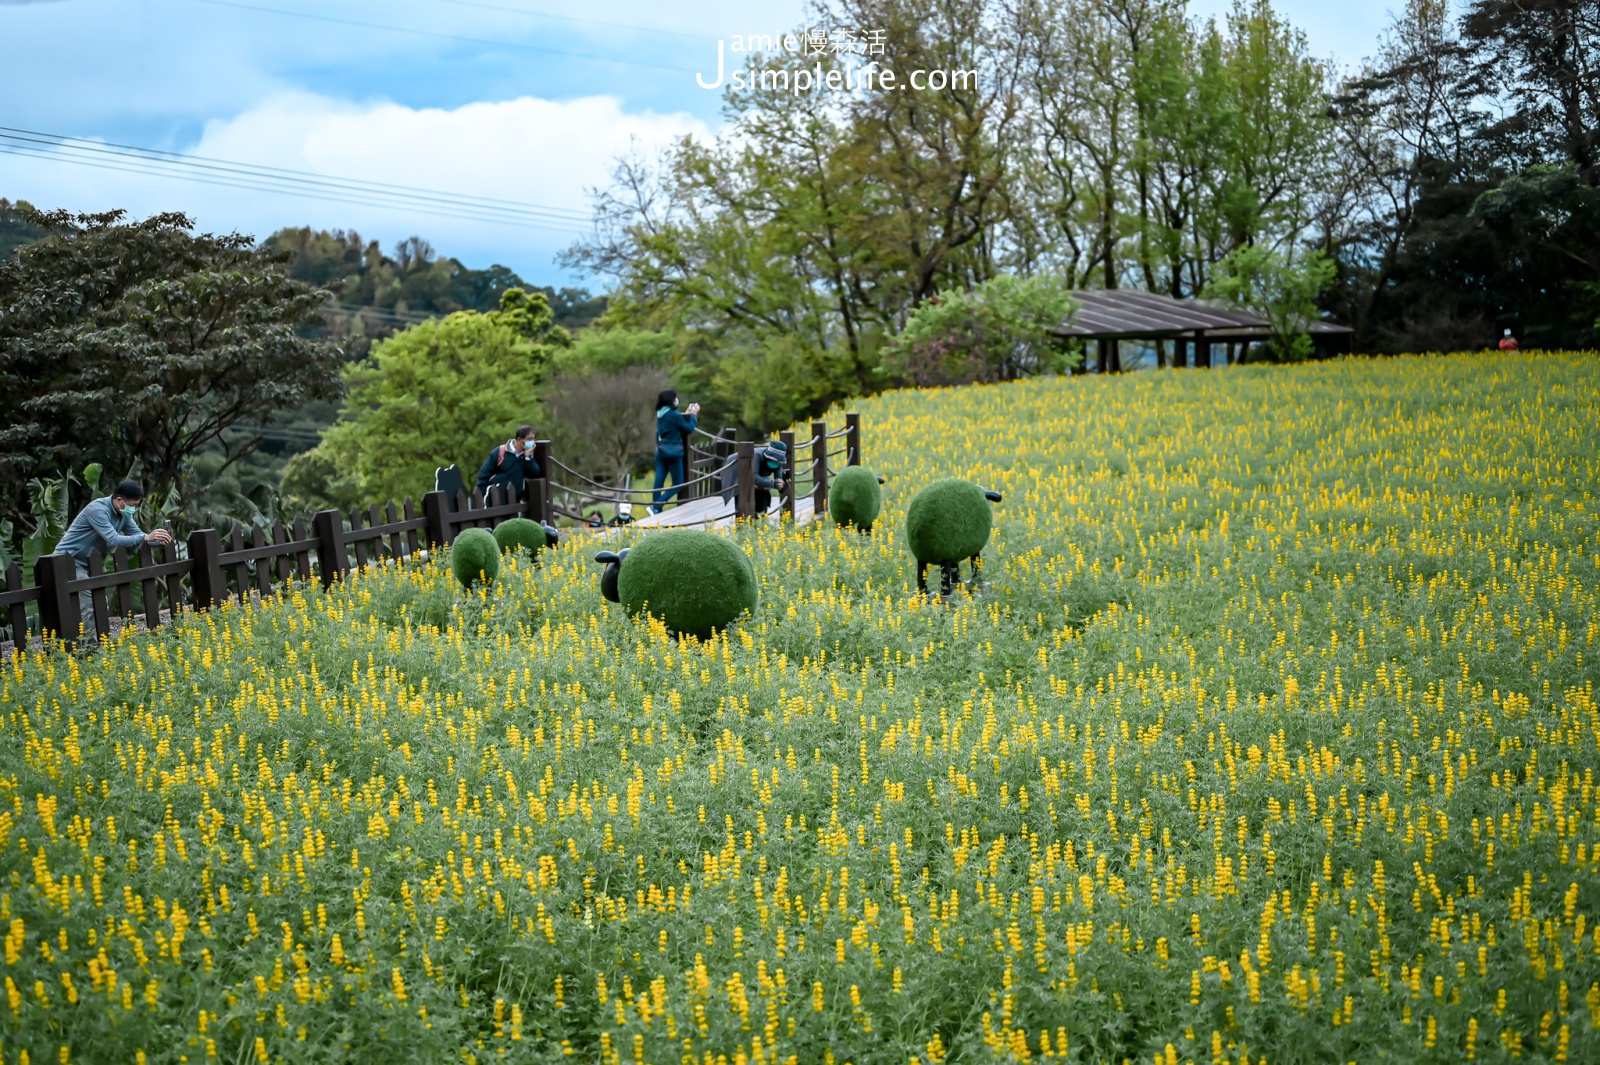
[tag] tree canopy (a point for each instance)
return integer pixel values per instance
(138, 344)
(441, 392)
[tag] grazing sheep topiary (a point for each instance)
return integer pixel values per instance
(948, 521)
(474, 557)
(854, 498)
(525, 533)
(694, 581)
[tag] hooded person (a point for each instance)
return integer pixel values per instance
(673, 429)
(771, 461)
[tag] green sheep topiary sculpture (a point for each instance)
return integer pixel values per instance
(525, 533)
(854, 498)
(948, 521)
(474, 557)
(694, 581)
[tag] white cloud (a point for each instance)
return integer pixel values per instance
(538, 151)
(529, 150)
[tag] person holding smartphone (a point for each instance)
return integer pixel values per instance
(672, 446)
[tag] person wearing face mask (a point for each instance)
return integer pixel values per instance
(673, 428)
(105, 525)
(511, 463)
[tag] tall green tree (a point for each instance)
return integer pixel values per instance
(138, 345)
(795, 243)
(1266, 283)
(441, 392)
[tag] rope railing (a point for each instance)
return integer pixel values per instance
(645, 492)
(709, 457)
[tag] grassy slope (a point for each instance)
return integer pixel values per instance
(1272, 662)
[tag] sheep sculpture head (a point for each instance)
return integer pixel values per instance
(947, 522)
(608, 577)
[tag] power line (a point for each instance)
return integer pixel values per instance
(441, 36)
(572, 18)
(228, 166)
(133, 160)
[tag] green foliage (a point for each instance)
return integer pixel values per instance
(142, 344)
(520, 534)
(617, 349)
(855, 497)
(1266, 283)
(474, 557)
(441, 392)
(380, 294)
(16, 228)
(1100, 142)
(600, 400)
(998, 331)
(694, 581)
(948, 521)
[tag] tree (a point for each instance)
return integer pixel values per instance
(997, 331)
(139, 345)
(15, 229)
(379, 294)
(1266, 283)
(600, 400)
(795, 243)
(440, 392)
(1477, 140)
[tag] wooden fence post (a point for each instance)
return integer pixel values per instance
(58, 607)
(744, 500)
(332, 559)
(852, 439)
(539, 502)
(435, 510)
(787, 437)
(819, 466)
(206, 579)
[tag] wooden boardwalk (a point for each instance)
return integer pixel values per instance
(711, 512)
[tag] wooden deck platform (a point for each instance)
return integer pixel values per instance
(711, 512)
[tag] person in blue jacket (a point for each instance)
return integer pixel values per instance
(511, 463)
(104, 525)
(672, 445)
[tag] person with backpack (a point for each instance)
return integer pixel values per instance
(673, 428)
(511, 463)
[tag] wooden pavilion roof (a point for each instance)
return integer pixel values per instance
(1125, 314)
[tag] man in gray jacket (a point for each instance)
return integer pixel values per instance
(105, 525)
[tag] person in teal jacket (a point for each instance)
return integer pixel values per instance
(673, 428)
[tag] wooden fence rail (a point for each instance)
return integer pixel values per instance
(147, 587)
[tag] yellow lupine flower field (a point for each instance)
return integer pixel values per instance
(1272, 737)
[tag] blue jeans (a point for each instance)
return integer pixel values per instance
(668, 466)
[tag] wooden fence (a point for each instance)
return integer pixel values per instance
(148, 586)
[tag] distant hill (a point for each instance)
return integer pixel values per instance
(379, 293)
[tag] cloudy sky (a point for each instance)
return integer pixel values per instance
(526, 101)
